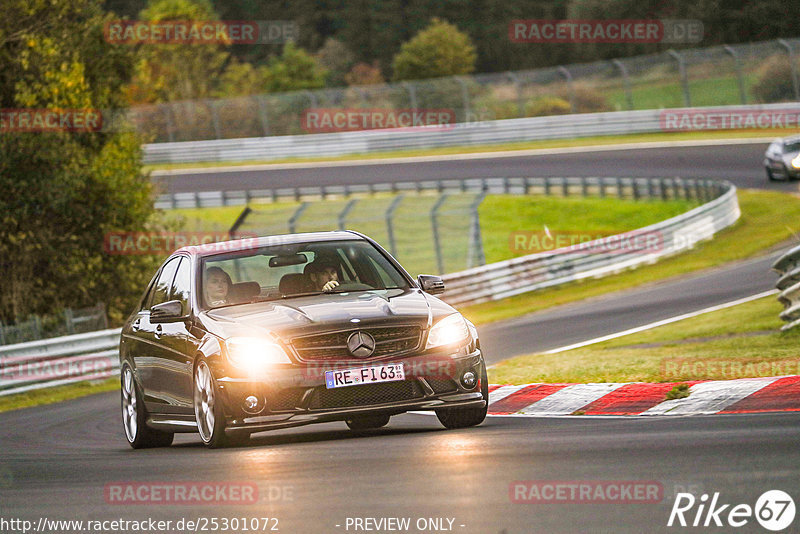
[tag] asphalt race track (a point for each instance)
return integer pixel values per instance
(738, 163)
(55, 461)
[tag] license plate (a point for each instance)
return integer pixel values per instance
(364, 375)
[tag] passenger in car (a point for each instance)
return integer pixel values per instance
(217, 286)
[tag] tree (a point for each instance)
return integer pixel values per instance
(438, 50)
(172, 72)
(64, 191)
(294, 70)
(337, 59)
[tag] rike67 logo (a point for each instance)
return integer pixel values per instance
(774, 510)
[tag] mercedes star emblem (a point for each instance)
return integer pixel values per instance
(361, 344)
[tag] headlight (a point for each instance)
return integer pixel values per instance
(254, 355)
(452, 330)
(796, 162)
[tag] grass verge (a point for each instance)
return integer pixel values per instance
(743, 341)
(501, 147)
(768, 218)
(56, 394)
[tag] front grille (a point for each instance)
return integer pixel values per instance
(389, 341)
(441, 386)
(286, 399)
(365, 395)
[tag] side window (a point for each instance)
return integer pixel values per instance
(164, 283)
(182, 284)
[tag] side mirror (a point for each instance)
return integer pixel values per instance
(167, 312)
(431, 284)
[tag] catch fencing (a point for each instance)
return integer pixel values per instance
(788, 267)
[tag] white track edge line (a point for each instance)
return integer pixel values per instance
(662, 322)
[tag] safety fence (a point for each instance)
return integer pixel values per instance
(750, 73)
(788, 267)
(67, 323)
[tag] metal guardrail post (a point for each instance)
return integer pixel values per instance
(518, 84)
(687, 100)
(212, 104)
(570, 89)
(296, 216)
(342, 217)
(547, 186)
(739, 76)
(412, 94)
(792, 67)
(388, 216)
(626, 82)
(620, 189)
(170, 126)
(788, 267)
(584, 187)
(263, 113)
(464, 96)
(435, 229)
(564, 186)
(239, 221)
(475, 250)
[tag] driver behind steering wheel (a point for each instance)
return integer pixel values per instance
(324, 273)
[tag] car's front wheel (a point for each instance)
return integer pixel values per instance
(134, 416)
(367, 422)
(465, 417)
(208, 408)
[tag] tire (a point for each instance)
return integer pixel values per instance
(368, 422)
(465, 417)
(208, 409)
(134, 415)
(770, 176)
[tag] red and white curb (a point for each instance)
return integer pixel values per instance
(745, 395)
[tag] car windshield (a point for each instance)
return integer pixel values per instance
(290, 271)
(791, 146)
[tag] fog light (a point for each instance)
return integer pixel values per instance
(251, 403)
(468, 380)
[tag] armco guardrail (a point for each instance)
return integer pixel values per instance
(536, 271)
(57, 361)
(788, 267)
(466, 134)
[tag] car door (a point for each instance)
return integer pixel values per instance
(178, 345)
(151, 357)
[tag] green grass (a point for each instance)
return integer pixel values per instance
(500, 215)
(738, 342)
(499, 147)
(56, 394)
(768, 218)
(714, 91)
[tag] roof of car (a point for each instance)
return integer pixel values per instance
(247, 243)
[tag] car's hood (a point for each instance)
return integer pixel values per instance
(292, 316)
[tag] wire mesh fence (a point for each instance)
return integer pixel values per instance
(751, 73)
(67, 323)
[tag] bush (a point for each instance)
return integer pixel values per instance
(774, 81)
(587, 99)
(547, 105)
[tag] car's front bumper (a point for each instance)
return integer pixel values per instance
(295, 397)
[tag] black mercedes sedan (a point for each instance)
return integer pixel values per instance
(256, 334)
